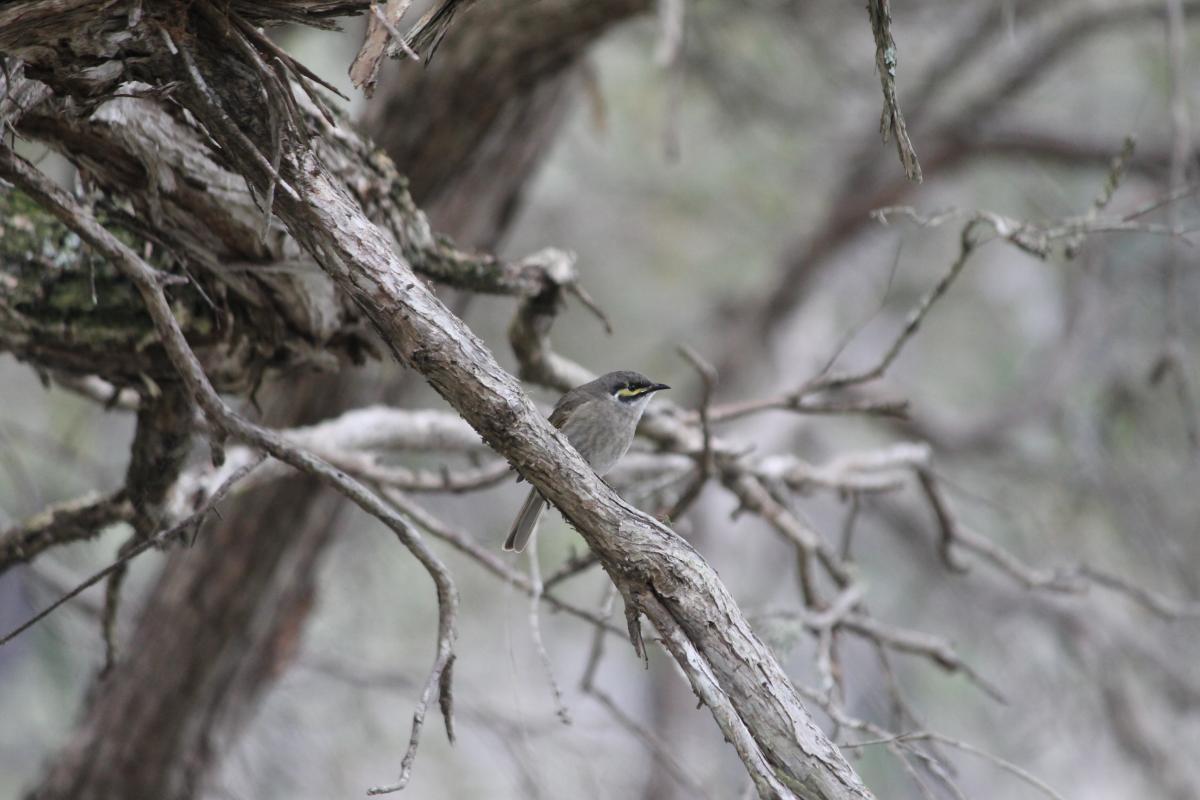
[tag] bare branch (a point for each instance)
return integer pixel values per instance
(920, 644)
(958, 744)
(487, 558)
(161, 538)
(1070, 579)
(967, 245)
(71, 521)
(891, 123)
(706, 461)
(535, 630)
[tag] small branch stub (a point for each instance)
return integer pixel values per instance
(891, 123)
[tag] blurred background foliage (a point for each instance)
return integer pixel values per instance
(686, 192)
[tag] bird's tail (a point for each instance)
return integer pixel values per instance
(527, 520)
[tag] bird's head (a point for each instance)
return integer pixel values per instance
(631, 389)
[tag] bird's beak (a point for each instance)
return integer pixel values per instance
(658, 387)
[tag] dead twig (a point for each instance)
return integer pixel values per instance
(70, 521)
(535, 631)
(488, 559)
(206, 96)
(958, 744)
(891, 122)
(967, 245)
(706, 462)
(159, 539)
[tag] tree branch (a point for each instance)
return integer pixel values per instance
(891, 123)
(71, 521)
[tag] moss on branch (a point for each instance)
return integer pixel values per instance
(65, 308)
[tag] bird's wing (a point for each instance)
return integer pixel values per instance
(566, 406)
(563, 409)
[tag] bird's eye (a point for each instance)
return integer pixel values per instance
(627, 391)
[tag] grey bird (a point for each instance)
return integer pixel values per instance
(599, 419)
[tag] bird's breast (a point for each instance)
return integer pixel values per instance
(601, 442)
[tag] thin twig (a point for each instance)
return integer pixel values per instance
(1072, 579)
(535, 631)
(596, 652)
(574, 566)
(917, 643)
(947, 526)
(108, 614)
(706, 462)
(958, 744)
(158, 539)
(210, 100)
(891, 122)
(967, 245)
(298, 68)
(487, 558)
(583, 296)
(849, 525)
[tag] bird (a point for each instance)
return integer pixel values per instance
(599, 419)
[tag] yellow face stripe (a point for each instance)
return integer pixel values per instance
(627, 392)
